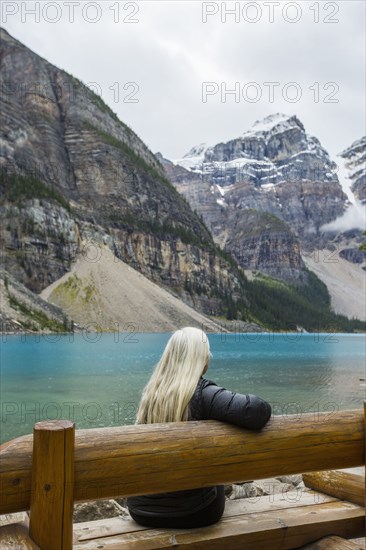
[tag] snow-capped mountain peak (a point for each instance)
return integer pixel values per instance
(277, 121)
(193, 160)
(276, 167)
(196, 151)
(274, 150)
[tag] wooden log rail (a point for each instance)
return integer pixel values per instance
(145, 459)
(338, 483)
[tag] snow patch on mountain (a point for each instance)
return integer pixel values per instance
(221, 202)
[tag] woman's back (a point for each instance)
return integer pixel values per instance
(209, 402)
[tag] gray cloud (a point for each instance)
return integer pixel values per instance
(170, 52)
(353, 218)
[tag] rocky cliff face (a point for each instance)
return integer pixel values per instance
(74, 177)
(22, 310)
(275, 168)
(263, 242)
(355, 162)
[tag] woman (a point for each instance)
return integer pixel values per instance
(177, 392)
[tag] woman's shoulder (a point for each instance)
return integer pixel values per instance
(196, 400)
(204, 382)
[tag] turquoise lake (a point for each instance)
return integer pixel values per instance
(96, 380)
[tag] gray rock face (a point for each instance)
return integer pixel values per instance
(22, 310)
(98, 509)
(355, 162)
(269, 486)
(353, 255)
(39, 241)
(274, 168)
(263, 242)
(84, 177)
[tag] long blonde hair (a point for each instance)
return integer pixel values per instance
(166, 396)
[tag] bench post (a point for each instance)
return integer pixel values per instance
(51, 503)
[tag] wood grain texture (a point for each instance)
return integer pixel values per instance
(274, 530)
(90, 530)
(15, 537)
(333, 543)
(133, 460)
(343, 485)
(19, 517)
(51, 504)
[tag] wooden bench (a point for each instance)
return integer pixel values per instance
(257, 525)
(56, 467)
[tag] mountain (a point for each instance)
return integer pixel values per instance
(342, 265)
(276, 167)
(75, 178)
(264, 194)
(345, 279)
(22, 310)
(110, 295)
(355, 162)
(80, 191)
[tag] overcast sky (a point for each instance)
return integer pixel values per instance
(168, 52)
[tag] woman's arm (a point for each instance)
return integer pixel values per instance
(248, 411)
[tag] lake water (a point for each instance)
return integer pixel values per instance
(96, 380)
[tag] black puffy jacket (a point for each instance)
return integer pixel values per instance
(209, 402)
